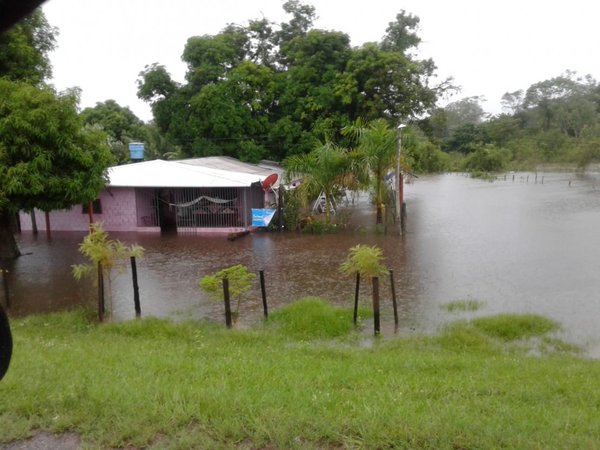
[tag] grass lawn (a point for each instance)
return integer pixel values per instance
(303, 380)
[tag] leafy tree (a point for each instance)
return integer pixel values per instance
(512, 102)
(47, 159)
(466, 138)
(465, 111)
(264, 90)
(302, 19)
(121, 125)
(549, 103)
(401, 35)
(25, 47)
(240, 282)
(326, 170)
(110, 254)
(502, 129)
(486, 158)
(420, 155)
(376, 144)
(364, 259)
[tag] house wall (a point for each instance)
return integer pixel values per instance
(118, 214)
(133, 209)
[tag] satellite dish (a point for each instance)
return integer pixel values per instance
(269, 181)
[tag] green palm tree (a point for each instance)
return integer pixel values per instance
(326, 169)
(376, 156)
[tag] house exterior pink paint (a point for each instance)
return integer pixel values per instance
(191, 196)
(120, 212)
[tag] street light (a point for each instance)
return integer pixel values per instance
(399, 186)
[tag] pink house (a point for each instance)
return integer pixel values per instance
(203, 195)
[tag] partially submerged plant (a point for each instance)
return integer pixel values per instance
(462, 305)
(366, 260)
(100, 249)
(240, 282)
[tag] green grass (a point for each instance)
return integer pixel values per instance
(291, 384)
(510, 327)
(463, 305)
(313, 318)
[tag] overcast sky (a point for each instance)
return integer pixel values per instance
(488, 47)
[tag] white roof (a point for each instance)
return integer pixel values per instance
(160, 173)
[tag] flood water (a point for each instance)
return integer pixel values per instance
(516, 245)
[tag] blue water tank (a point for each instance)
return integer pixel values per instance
(136, 150)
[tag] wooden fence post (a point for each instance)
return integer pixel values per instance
(356, 291)
(227, 302)
(101, 309)
(263, 291)
(376, 322)
(136, 288)
(394, 303)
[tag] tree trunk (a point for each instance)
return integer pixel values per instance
(8, 244)
(379, 218)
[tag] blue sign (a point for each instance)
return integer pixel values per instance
(262, 217)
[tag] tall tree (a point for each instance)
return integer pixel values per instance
(257, 91)
(25, 47)
(120, 123)
(47, 159)
(401, 35)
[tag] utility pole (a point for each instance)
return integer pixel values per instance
(399, 180)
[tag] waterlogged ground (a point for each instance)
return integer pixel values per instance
(526, 243)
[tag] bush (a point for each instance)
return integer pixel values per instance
(488, 158)
(427, 157)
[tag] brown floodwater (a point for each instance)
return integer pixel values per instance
(516, 245)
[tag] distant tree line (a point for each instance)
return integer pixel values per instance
(553, 121)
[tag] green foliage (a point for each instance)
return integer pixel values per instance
(366, 260)
(312, 318)
(240, 282)
(487, 159)
(315, 226)
(463, 305)
(376, 155)
(47, 160)
(99, 248)
(121, 125)
(553, 121)
(24, 50)
(326, 170)
(267, 90)
(292, 201)
(420, 155)
(510, 327)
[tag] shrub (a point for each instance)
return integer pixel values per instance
(240, 282)
(486, 159)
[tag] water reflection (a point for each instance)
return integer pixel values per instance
(516, 246)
